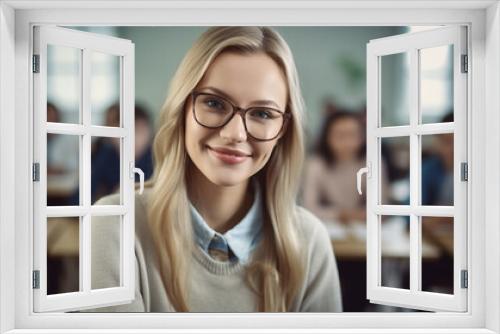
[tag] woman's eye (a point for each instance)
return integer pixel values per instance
(213, 103)
(262, 114)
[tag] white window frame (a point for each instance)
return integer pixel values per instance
(483, 18)
(86, 43)
(410, 44)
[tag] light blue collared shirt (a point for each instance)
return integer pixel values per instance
(242, 238)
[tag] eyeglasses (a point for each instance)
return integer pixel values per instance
(261, 123)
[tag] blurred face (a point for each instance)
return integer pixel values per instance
(345, 138)
(113, 117)
(52, 115)
(445, 147)
(227, 156)
(142, 136)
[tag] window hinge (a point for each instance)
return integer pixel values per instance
(36, 279)
(465, 279)
(36, 63)
(465, 64)
(36, 171)
(464, 171)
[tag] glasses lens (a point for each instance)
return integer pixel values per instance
(263, 123)
(211, 110)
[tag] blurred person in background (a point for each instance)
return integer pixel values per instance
(437, 170)
(329, 191)
(59, 150)
(437, 189)
(53, 116)
(106, 156)
(62, 182)
(62, 161)
(329, 188)
(105, 161)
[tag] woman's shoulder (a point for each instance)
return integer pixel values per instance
(310, 226)
(143, 238)
(111, 199)
(139, 207)
(114, 198)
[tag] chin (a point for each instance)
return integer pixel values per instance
(227, 180)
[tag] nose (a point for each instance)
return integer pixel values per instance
(234, 130)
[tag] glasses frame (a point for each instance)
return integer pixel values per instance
(242, 112)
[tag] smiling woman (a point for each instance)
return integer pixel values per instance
(217, 227)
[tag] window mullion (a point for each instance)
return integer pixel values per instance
(85, 235)
(415, 251)
(127, 92)
(421, 210)
(420, 129)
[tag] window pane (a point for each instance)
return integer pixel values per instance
(436, 84)
(106, 252)
(105, 89)
(63, 254)
(437, 169)
(437, 274)
(394, 96)
(106, 161)
(63, 84)
(395, 256)
(395, 170)
(63, 166)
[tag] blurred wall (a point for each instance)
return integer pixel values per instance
(331, 62)
(158, 52)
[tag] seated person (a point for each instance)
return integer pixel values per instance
(106, 159)
(329, 185)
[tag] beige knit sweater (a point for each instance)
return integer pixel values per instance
(214, 286)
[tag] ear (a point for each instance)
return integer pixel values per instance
(284, 130)
(282, 134)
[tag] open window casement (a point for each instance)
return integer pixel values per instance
(53, 47)
(410, 123)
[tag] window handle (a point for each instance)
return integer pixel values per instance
(141, 179)
(135, 170)
(365, 170)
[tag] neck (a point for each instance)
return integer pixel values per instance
(346, 158)
(225, 206)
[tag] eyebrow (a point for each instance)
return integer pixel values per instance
(220, 92)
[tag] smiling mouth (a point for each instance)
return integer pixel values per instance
(228, 156)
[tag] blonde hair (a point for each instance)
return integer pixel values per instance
(276, 271)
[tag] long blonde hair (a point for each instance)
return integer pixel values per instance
(276, 271)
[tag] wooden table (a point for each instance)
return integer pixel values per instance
(353, 248)
(349, 241)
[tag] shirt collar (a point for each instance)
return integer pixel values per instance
(242, 238)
